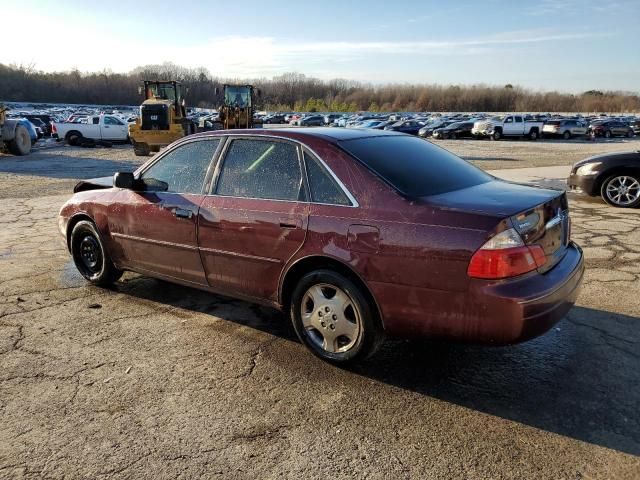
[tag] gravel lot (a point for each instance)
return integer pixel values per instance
(151, 380)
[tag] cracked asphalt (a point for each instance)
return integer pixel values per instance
(152, 380)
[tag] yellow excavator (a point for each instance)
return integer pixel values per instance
(163, 117)
(238, 106)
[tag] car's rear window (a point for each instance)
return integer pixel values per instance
(413, 166)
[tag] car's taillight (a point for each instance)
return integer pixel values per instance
(53, 128)
(504, 256)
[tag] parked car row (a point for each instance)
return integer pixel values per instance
(439, 126)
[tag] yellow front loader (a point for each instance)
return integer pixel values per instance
(163, 117)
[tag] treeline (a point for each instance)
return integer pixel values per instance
(294, 91)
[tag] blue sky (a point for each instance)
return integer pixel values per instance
(567, 45)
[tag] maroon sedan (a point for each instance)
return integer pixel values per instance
(355, 233)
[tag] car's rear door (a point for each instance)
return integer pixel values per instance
(156, 230)
(256, 218)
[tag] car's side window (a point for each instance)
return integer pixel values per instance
(261, 169)
(184, 168)
(508, 120)
(324, 188)
(96, 120)
(518, 119)
(112, 121)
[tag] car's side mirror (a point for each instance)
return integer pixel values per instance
(124, 180)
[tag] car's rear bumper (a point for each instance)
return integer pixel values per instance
(582, 184)
(491, 312)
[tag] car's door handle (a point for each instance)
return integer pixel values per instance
(290, 223)
(183, 213)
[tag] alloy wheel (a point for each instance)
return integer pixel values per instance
(330, 318)
(623, 190)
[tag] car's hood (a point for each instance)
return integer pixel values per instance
(635, 156)
(495, 198)
(93, 184)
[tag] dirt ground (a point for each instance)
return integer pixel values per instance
(152, 380)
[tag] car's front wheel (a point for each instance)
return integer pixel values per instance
(333, 317)
(90, 256)
(622, 190)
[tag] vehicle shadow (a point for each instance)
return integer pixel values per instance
(581, 379)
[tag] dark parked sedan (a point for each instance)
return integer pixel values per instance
(613, 176)
(405, 126)
(454, 130)
(355, 234)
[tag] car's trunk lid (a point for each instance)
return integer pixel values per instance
(547, 225)
(540, 215)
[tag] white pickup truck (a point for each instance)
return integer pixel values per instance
(99, 127)
(507, 126)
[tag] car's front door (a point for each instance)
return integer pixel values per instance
(508, 126)
(114, 129)
(156, 230)
(256, 218)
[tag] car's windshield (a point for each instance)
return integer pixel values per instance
(413, 166)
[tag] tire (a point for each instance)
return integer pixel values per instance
(21, 143)
(630, 134)
(533, 135)
(453, 136)
(611, 187)
(324, 303)
(607, 134)
(566, 135)
(74, 138)
(90, 255)
(140, 149)
(497, 135)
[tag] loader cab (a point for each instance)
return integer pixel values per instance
(238, 96)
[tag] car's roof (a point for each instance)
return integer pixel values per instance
(327, 133)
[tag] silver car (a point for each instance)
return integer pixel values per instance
(564, 128)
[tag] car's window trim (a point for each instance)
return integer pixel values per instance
(214, 159)
(211, 191)
(301, 146)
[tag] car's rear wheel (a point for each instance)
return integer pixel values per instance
(333, 317)
(622, 190)
(607, 134)
(630, 134)
(90, 256)
(566, 135)
(533, 135)
(74, 138)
